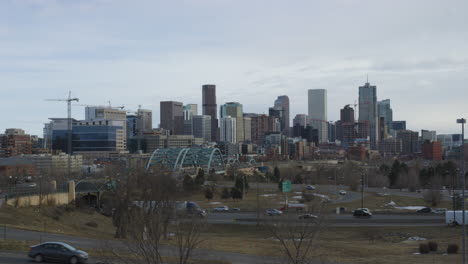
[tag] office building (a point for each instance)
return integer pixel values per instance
(210, 108)
(300, 119)
(368, 111)
(260, 125)
(56, 164)
(282, 104)
(432, 150)
(172, 117)
(228, 129)
(390, 147)
(427, 135)
(155, 141)
(247, 129)
(15, 142)
(145, 120)
(189, 111)
(396, 126)
(99, 136)
(355, 132)
(385, 111)
(317, 100)
(202, 127)
(409, 141)
(234, 110)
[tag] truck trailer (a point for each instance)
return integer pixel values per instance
(455, 217)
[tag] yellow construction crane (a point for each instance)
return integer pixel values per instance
(69, 127)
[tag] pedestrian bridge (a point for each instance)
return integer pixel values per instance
(187, 159)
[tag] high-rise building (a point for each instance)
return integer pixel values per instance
(234, 110)
(355, 132)
(189, 111)
(396, 126)
(300, 119)
(228, 129)
(409, 141)
(347, 114)
(427, 135)
(368, 111)
(318, 112)
(390, 147)
(202, 127)
(261, 124)
(103, 112)
(172, 117)
(385, 111)
(282, 103)
(145, 120)
(210, 108)
(247, 129)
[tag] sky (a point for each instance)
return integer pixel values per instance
(141, 52)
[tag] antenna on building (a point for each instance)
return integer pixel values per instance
(367, 78)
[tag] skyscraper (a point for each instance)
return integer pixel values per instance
(282, 103)
(210, 108)
(347, 114)
(385, 111)
(300, 119)
(368, 111)
(318, 112)
(145, 120)
(190, 110)
(228, 129)
(172, 117)
(234, 110)
(202, 127)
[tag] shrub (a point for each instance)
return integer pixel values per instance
(92, 224)
(432, 246)
(452, 249)
(423, 248)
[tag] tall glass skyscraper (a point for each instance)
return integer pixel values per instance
(368, 111)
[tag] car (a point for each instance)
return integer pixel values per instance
(362, 212)
(308, 217)
(235, 209)
(272, 212)
(440, 210)
(57, 252)
(310, 187)
(223, 208)
(424, 210)
(342, 192)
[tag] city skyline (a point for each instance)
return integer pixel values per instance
(169, 51)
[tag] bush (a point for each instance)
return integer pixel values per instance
(92, 224)
(432, 246)
(423, 248)
(452, 249)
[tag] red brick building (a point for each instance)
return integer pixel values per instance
(358, 152)
(260, 125)
(432, 150)
(14, 143)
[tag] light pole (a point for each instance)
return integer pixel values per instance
(462, 121)
(362, 190)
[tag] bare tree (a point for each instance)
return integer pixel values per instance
(188, 237)
(297, 237)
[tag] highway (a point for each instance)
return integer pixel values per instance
(344, 220)
(247, 218)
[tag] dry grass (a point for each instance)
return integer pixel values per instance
(342, 245)
(58, 220)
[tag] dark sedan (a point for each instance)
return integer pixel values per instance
(57, 252)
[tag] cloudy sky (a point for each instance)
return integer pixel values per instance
(133, 52)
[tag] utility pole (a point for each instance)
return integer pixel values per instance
(462, 121)
(362, 190)
(69, 128)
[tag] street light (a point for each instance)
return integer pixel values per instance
(462, 121)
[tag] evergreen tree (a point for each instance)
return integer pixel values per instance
(200, 179)
(226, 194)
(188, 183)
(236, 194)
(276, 174)
(208, 194)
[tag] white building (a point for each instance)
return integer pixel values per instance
(228, 129)
(318, 112)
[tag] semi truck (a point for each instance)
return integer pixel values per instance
(455, 217)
